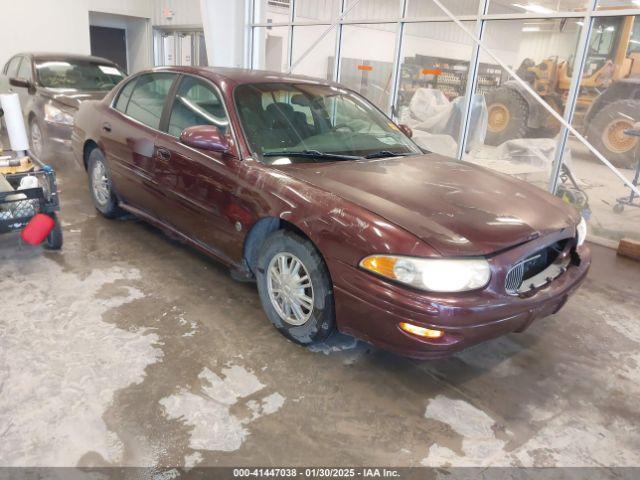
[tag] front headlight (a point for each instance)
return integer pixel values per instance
(53, 114)
(581, 231)
(431, 274)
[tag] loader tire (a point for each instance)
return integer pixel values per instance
(508, 113)
(606, 132)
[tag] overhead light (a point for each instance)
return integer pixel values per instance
(611, 29)
(533, 8)
(531, 29)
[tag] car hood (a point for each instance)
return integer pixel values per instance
(72, 98)
(456, 207)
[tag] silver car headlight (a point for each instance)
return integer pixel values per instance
(581, 231)
(53, 114)
(431, 274)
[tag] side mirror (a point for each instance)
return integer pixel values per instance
(406, 130)
(205, 137)
(16, 82)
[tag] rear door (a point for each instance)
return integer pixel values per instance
(199, 185)
(129, 135)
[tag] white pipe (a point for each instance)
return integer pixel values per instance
(533, 93)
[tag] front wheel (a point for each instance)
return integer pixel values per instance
(37, 140)
(295, 288)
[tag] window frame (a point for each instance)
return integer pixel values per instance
(166, 111)
(172, 96)
(28, 59)
(19, 59)
(135, 79)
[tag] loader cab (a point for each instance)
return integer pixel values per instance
(615, 41)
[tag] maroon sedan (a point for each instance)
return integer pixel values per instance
(342, 220)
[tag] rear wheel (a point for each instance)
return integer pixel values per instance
(295, 288)
(508, 113)
(54, 239)
(606, 132)
(100, 186)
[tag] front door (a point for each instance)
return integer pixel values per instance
(199, 185)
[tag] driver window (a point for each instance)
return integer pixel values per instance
(196, 103)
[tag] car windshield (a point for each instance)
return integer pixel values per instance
(77, 75)
(294, 123)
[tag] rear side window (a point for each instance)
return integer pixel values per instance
(125, 95)
(24, 72)
(148, 97)
(12, 67)
(196, 103)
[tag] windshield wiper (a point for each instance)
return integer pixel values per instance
(311, 154)
(385, 154)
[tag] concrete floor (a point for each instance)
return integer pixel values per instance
(127, 348)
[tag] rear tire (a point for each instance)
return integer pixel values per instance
(508, 114)
(277, 260)
(100, 186)
(606, 132)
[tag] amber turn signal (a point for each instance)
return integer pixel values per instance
(421, 331)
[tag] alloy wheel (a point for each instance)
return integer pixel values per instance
(100, 183)
(290, 288)
(36, 140)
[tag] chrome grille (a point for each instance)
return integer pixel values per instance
(532, 266)
(514, 278)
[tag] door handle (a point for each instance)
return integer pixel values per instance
(163, 154)
(106, 127)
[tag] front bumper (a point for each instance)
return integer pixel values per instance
(371, 308)
(58, 136)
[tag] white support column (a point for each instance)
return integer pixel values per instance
(224, 24)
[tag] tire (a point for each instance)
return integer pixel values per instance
(102, 194)
(54, 239)
(37, 140)
(319, 321)
(508, 114)
(605, 132)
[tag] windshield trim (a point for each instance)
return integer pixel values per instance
(258, 157)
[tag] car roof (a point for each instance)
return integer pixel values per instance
(66, 56)
(243, 75)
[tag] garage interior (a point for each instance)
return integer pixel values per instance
(128, 348)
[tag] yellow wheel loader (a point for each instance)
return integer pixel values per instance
(608, 103)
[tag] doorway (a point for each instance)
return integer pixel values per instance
(110, 43)
(179, 47)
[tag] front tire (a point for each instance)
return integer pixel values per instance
(606, 132)
(100, 186)
(37, 140)
(295, 288)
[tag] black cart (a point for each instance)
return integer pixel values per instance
(18, 207)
